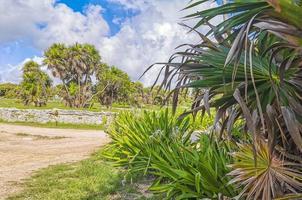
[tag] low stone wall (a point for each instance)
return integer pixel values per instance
(55, 115)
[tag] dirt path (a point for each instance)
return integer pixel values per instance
(24, 149)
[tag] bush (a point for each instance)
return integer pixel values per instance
(157, 144)
(8, 90)
(193, 171)
(133, 135)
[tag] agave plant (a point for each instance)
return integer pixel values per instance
(252, 70)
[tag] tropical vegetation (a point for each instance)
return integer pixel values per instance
(35, 85)
(113, 85)
(241, 138)
(84, 81)
(74, 66)
(160, 146)
(247, 68)
(9, 90)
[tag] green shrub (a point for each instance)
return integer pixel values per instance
(157, 144)
(133, 136)
(8, 90)
(193, 171)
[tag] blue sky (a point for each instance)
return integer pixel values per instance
(129, 34)
(16, 51)
(111, 11)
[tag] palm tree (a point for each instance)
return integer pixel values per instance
(113, 85)
(35, 85)
(75, 66)
(249, 66)
(55, 59)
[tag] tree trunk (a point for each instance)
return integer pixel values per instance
(68, 94)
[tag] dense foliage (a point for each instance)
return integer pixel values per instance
(191, 165)
(74, 66)
(132, 133)
(9, 90)
(85, 80)
(35, 85)
(248, 69)
(113, 85)
(194, 170)
(159, 145)
(251, 71)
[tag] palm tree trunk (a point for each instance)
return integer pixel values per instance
(68, 94)
(80, 92)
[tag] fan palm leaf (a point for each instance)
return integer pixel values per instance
(270, 178)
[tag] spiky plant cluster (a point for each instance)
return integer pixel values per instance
(249, 67)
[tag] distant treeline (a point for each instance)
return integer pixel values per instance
(84, 79)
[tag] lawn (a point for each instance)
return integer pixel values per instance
(94, 107)
(89, 179)
(17, 103)
(59, 125)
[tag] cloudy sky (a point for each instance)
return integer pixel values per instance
(130, 34)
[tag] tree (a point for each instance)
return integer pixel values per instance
(155, 96)
(35, 85)
(113, 85)
(74, 65)
(9, 90)
(137, 94)
(141, 95)
(252, 70)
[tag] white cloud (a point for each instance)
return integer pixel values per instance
(149, 37)
(67, 26)
(144, 39)
(46, 22)
(132, 4)
(13, 74)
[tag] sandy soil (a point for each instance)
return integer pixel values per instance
(25, 149)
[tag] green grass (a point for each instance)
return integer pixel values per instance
(95, 107)
(59, 125)
(90, 179)
(17, 103)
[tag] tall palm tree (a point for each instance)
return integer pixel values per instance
(75, 66)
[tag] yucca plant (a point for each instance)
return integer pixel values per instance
(252, 70)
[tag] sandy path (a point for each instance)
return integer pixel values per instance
(24, 149)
